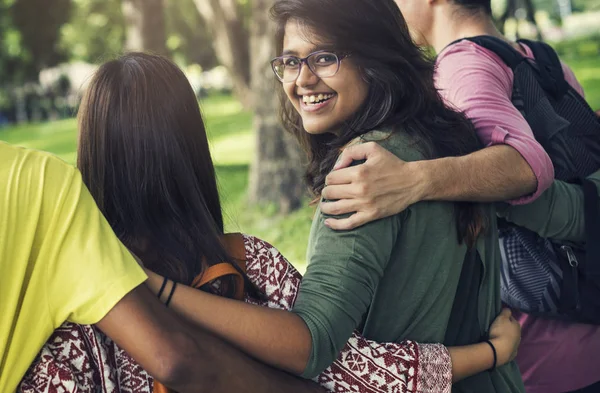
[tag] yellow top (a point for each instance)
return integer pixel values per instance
(59, 258)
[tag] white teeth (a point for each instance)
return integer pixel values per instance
(316, 98)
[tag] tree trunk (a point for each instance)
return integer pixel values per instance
(276, 173)
(145, 20)
(530, 8)
(231, 43)
(511, 7)
(511, 10)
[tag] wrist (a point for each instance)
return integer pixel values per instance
(424, 178)
(502, 355)
(154, 281)
(494, 355)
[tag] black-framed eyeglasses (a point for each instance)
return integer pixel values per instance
(323, 64)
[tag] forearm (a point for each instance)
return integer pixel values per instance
(558, 213)
(470, 360)
(237, 372)
(496, 173)
(183, 358)
(276, 337)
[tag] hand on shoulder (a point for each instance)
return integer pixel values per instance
(382, 186)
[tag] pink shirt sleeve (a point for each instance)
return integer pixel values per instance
(476, 81)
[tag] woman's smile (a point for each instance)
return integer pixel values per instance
(316, 102)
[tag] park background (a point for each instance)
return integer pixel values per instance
(49, 49)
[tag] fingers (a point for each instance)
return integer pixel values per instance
(356, 153)
(343, 206)
(507, 313)
(345, 224)
(343, 176)
(344, 191)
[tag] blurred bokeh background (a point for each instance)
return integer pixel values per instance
(49, 49)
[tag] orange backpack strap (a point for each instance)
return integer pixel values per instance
(160, 388)
(214, 272)
(234, 244)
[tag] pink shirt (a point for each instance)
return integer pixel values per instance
(554, 356)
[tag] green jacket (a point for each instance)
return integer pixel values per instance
(396, 278)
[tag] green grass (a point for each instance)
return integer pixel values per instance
(232, 146)
(587, 72)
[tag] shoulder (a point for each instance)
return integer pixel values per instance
(466, 63)
(399, 142)
(30, 172)
(454, 56)
(262, 253)
(567, 71)
(255, 247)
(572, 79)
(271, 272)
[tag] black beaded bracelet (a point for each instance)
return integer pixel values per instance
(162, 287)
(495, 355)
(173, 291)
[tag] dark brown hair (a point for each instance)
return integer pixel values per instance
(143, 153)
(401, 95)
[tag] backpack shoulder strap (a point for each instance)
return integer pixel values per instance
(234, 244)
(235, 247)
(552, 77)
(509, 55)
(592, 228)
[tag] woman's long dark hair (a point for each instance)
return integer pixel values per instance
(144, 155)
(401, 95)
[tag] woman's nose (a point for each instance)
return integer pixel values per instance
(306, 77)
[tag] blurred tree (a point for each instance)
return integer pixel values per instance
(145, 25)
(95, 31)
(586, 5)
(38, 23)
(553, 7)
(276, 173)
(513, 10)
(188, 37)
(14, 62)
(29, 37)
(243, 42)
(226, 21)
(12, 55)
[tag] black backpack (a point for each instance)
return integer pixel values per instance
(569, 130)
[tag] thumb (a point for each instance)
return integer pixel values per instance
(357, 152)
(506, 313)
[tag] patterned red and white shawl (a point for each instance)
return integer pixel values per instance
(80, 359)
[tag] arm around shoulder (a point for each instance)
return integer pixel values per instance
(496, 173)
(189, 359)
(558, 213)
